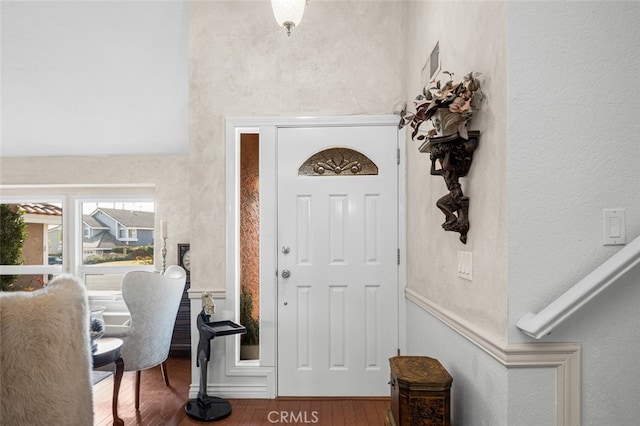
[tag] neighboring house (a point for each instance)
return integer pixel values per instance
(54, 242)
(91, 227)
(39, 218)
(100, 244)
(107, 228)
(103, 230)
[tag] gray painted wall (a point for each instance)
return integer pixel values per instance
(572, 151)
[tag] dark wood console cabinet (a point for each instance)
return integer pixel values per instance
(420, 392)
(181, 339)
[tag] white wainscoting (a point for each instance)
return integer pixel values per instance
(227, 377)
(231, 379)
(565, 358)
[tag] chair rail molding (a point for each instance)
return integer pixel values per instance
(195, 293)
(542, 323)
(564, 357)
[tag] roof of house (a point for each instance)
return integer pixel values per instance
(92, 222)
(102, 240)
(130, 218)
(41, 208)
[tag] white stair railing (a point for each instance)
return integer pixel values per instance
(541, 324)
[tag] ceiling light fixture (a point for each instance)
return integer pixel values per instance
(288, 13)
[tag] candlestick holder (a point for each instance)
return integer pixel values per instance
(164, 255)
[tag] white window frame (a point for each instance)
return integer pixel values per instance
(71, 198)
(31, 197)
(83, 270)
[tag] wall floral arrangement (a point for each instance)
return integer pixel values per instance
(448, 105)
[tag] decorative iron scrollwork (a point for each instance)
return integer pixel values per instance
(338, 161)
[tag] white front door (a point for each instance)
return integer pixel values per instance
(337, 259)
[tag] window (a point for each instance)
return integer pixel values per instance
(249, 239)
(76, 230)
(31, 242)
(118, 237)
(125, 234)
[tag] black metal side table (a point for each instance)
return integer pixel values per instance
(204, 407)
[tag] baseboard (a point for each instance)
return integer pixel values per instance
(233, 391)
(564, 357)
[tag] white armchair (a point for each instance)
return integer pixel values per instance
(153, 300)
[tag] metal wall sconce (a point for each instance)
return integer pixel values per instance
(451, 158)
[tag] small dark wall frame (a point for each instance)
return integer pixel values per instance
(451, 158)
(184, 258)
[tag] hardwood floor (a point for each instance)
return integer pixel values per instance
(164, 406)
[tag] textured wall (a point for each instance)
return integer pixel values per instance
(475, 43)
(568, 150)
(577, 156)
(168, 173)
(573, 150)
(32, 254)
(33, 244)
(343, 59)
(472, 38)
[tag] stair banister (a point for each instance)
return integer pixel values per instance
(542, 323)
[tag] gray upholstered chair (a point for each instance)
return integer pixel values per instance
(45, 356)
(153, 300)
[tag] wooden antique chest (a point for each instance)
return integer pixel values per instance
(420, 392)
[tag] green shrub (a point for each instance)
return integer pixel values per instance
(136, 251)
(12, 236)
(109, 257)
(247, 320)
(141, 254)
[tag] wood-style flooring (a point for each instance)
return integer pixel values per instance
(164, 406)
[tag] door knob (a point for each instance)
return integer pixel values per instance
(286, 273)
(286, 249)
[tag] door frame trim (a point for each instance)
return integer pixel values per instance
(267, 128)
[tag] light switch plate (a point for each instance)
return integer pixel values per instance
(465, 265)
(613, 222)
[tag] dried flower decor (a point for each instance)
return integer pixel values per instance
(461, 99)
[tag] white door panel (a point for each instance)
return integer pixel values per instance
(338, 309)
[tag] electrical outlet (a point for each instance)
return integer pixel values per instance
(465, 265)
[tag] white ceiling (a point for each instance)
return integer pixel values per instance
(94, 78)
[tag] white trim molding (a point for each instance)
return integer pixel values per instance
(267, 128)
(233, 391)
(197, 294)
(564, 357)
